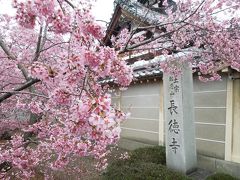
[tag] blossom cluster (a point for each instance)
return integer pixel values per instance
(68, 113)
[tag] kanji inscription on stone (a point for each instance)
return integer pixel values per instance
(179, 117)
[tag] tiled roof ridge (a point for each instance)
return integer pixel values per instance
(140, 11)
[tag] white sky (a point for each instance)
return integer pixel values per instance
(102, 9)
(5, 7)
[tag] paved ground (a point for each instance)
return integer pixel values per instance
(200, 174)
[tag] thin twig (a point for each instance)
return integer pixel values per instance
(194, 12)
(150, 40)
(133, 32)
(53, 46)
(224, 9)
(102, 21)
(2, 87)
(84, 83)
(69, 45)
(61, 7)
(70, 4)
(162, 35)
(141, 49)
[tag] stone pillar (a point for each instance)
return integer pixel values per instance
(179, 121)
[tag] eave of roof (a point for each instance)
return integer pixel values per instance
(133, 10)
(112, 25)
(136, 9)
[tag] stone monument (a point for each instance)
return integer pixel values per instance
(179, 121)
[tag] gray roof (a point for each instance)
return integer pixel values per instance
(140, 11)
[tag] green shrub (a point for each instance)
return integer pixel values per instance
(144, 164)
(126, 170)
(221, 176)
(155, 154)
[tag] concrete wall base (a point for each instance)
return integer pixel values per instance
(131, 144)
(219, 165)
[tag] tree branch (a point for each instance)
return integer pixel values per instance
(53, 46)
(24, 86)
(5, 49)
(133, 32)
(194, 11)
(149, 40)
(126, 49)
(37, 53)
(21, 92)
(61, 7)
(84, 83)
(12, 56)
(70, 4)
(40, 43)
(236, 6)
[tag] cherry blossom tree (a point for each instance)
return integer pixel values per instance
(52, 61)
(51, 100)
